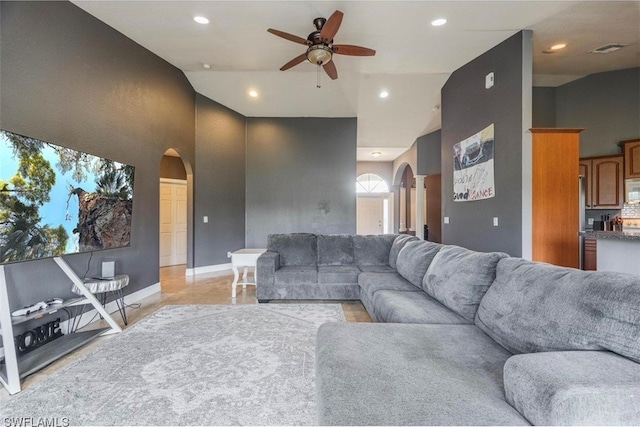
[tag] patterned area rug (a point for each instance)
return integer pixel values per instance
(191, 365)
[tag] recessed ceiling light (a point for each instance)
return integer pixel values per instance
(384, 94)
(558, 46)
(207, 66)
(376, 154)
(438, 22)
(253, 93)
(201, 19)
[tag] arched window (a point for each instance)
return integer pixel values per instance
(371, 183)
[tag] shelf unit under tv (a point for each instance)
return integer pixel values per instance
(14, 366)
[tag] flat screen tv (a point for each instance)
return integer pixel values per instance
(56, 200)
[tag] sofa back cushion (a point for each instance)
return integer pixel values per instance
(398, 243)
(533, 307)
(335, 249)
(372, 250)
(459, 277)
(295, 248)
(414, 260)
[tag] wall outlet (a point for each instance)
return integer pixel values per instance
(495, 221)
(590, 221)
(228, 254)
(205, 219)
(446, 220)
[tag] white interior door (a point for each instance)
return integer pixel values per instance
(369, 212)
(173, 222)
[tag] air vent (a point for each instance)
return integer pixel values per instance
(608, 48)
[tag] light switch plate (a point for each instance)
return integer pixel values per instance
(495, 221)
(205, 219)
(446, 220)
(488, 81)
(590, 221)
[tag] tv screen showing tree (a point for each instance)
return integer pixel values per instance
(56, 200)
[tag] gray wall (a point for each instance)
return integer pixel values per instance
(429, 153)
(69, 79)
(544, 107)
(219, 183)
(607, 105)
(467, 108)
(300, 177)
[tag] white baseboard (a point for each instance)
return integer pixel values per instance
(207, 269)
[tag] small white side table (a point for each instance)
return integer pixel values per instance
(244, 258)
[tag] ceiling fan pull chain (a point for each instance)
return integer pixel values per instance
(318, 79)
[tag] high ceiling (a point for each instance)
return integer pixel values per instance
(413, 60)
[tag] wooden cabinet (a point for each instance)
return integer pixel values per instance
(590, 261)
(604, 180)
(631, 158)
(555, 188)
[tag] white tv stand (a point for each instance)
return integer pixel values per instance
(16, 367)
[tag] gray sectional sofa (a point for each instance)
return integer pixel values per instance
(470, 338)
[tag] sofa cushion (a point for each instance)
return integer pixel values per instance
(391, 374)
(376, 269)
(398, 244)
(335, 249)
(338, 274)
(372, 250)
(294, 248)
(574, 388)
(412, 307)
(296, 274)
(414, 260)
(370, 283)
(460, 277)
(534, 307)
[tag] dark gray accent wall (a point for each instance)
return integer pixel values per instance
(544, 107)
(467, 108)
(219, 183)
(301, 176)
(68, 78)
(429, 153)
(607, 105)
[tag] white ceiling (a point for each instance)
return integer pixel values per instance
(413, 58)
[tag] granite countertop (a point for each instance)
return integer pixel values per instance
(612, 235)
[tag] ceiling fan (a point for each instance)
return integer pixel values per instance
(320, 48)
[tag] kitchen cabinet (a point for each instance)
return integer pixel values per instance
(554, 196)
(604, 180)
(631, 158)
(590, 261)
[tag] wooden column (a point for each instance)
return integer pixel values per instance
(555, 198)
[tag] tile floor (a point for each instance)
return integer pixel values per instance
(176, 288)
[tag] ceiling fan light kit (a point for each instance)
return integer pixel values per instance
(320, 47)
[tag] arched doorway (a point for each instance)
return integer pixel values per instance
(374, 208)
(174, 221)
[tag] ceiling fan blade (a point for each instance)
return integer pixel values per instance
(330, 28)
(330, 68)
(348, 49)
(289, 37)
(295, 61)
